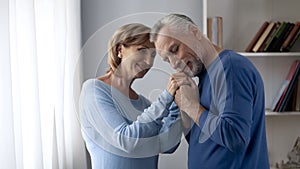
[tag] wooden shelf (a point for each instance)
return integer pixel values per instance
(270, 54)
(270, 113)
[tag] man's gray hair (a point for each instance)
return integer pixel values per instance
(174, 21)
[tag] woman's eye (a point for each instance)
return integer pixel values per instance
(142, 50)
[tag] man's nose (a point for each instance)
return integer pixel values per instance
(175, 62)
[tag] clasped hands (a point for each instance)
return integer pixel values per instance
(186, 94)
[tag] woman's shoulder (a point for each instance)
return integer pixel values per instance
(90, 83)
(95, 85)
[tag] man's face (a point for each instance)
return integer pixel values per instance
(173, 48)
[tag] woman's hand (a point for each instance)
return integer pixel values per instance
(172, 86)
(176, 80)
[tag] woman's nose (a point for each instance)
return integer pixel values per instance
(149, 61)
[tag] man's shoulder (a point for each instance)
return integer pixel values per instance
(229, 56)
(235, 60)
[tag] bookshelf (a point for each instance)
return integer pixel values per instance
(282, 127)
(274, 54)
(241, 20)
(271, 113)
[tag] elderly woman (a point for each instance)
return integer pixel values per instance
(121, 128)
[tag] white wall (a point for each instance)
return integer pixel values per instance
(101, 18)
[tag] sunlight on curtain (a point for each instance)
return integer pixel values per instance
(7, 148)
(44, 44)
(25, 96)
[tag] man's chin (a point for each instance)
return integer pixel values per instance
(188, 70)
(190, 73)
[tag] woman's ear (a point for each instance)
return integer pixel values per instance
(119, 51)
(195, 31)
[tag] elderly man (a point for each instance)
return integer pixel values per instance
(227, 107)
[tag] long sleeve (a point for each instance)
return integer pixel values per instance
(115, 124)
(228, 119)
(231, 131)
(171, 130)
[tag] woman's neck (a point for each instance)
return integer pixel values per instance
(121, 83)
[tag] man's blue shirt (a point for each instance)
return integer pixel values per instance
(232, 133)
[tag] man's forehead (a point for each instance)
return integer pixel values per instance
(162, 42)
(168, 31)
(166, 36)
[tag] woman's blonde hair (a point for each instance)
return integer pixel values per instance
(127, 35)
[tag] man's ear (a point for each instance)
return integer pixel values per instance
(195, 31)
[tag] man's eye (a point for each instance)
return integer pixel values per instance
(174, 49)
(166, 59)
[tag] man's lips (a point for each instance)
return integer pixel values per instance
(189, 65)
(187, 68)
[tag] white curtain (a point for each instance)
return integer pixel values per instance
(40, 84)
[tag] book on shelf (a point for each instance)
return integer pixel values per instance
(269, 37)
(263, 37)
(256, 36)
(283, 35)
(285, 46)
(293, 103)
(290, 104)
(294, 42)
(275, 37)
(215, 30)
(281, 100)
(271, 45)
(297, 102)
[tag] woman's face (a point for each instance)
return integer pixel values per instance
(137, 60)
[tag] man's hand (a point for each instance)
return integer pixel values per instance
(186, 120)
(187, 97)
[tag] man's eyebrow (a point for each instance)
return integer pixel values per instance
(160, 52)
